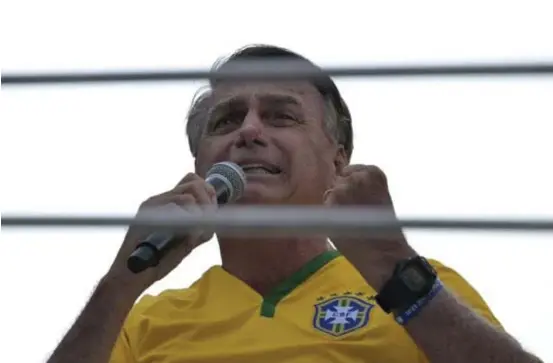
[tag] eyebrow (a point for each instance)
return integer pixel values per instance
(279, 100)
(239, 102)
(226, 105)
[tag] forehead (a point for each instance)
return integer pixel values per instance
(304, 93)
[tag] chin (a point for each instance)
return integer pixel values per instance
(259, 196)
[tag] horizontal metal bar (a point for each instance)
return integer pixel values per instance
(280, 70)
(280, 220)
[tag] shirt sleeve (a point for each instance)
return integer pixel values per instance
(122, 352)
(465, 292)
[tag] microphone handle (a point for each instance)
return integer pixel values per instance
(149, 252)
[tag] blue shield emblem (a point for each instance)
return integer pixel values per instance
(341, 315)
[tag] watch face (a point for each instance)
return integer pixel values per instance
(413, 278)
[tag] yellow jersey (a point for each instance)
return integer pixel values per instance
(325, 312)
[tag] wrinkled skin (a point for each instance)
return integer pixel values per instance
(280, 124)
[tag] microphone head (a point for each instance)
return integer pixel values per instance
(232, 175)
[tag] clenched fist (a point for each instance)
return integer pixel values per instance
(376, 254)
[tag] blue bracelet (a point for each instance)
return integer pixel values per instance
(414, 309)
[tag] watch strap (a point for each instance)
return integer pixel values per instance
(412, 311)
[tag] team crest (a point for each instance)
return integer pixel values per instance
(341, 315)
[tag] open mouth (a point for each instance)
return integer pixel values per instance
(260, 169)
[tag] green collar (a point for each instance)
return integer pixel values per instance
(271, 300)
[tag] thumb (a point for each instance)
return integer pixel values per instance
(328, 197)
(329, 194)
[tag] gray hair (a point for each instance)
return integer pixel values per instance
(337, 119)
(198, 113)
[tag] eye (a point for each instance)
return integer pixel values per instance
(282, 117)
(286, 116)
(227, 120)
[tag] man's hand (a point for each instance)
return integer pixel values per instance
(375, 255)
(190, 194)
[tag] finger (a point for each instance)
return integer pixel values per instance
(372, 170)
(165, 205)
(188, 178)
(327, 196)
(197, 189)
(202, 198)
(195, 197)
(192, 201)
(378, 176)
(167, 198)
(171, 206)
(203, 192)
(330, 196)
(205, 196)
(339, 183)
(370, 173)
(350, 169)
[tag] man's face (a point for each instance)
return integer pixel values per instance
(275, 132)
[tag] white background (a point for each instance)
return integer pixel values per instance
(450, 146)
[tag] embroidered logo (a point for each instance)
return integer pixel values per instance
(340, 315)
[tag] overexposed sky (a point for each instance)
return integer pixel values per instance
(451, 146)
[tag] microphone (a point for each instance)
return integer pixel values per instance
(228, 180)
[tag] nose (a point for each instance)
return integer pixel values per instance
(251, 131)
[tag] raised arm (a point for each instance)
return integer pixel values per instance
(94, 334)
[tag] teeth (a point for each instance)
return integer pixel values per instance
(257, 169)
(253, 166)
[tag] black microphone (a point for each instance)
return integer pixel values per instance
(227, 179)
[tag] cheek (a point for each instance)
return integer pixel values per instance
(312, 160)
(209, 153)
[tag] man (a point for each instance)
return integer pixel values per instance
(295, 299)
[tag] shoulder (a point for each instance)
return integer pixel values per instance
(467, 293)
(158, 308)
(149, 311)
(150, 304)
(161, 309)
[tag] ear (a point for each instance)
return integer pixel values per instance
(340, 160)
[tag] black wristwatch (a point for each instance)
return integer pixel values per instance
(411, 280)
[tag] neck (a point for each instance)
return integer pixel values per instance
(264, 263)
